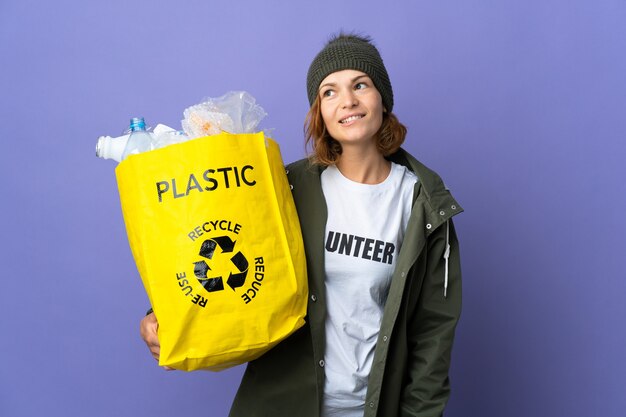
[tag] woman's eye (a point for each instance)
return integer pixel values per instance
(360, 86)
(327, 93)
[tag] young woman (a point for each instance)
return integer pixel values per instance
(382, 258)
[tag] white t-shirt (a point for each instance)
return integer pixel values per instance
(364, 232)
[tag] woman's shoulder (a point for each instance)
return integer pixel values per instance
(302, 169)
(298, 165)
(430, 182)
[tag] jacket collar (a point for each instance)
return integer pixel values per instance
(440, 204)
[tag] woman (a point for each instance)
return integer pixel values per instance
(382, 259)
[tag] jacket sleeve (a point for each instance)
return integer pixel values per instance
(431, 328)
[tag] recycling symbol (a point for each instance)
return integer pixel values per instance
(212, 281)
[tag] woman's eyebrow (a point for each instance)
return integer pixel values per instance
(359, 77)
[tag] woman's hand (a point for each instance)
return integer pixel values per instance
(148, 329)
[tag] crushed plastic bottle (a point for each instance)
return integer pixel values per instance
(109, 147)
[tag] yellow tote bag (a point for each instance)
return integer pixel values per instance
(215, 235)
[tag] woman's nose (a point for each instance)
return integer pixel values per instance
(349, 99)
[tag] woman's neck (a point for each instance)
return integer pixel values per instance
(366, 167)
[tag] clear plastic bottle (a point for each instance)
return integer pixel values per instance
(109, 147)
(139, 139)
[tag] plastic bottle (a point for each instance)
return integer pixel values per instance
(139, 139)
(108, 147)
(111, 148)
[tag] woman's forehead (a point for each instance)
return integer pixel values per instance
(347, 75)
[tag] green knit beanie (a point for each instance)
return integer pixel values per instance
(350, 52)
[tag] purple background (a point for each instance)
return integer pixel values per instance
(520, 106)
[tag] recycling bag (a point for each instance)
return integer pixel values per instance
(214, 232)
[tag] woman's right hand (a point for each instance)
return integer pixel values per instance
(148, 329)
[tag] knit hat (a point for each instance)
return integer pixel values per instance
(350, 52)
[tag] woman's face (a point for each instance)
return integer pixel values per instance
(351, 107)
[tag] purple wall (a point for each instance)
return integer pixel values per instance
(520, 106)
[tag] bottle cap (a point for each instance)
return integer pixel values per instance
(137, 123)
(100, 147)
